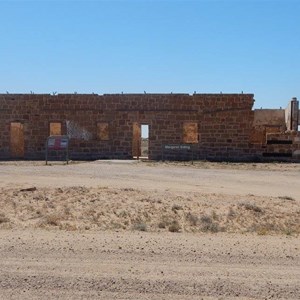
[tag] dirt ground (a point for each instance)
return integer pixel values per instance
(145, 230)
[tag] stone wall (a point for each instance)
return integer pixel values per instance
(275, 132)
(267, 121)
(224, 122)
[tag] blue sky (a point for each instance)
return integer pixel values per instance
(153, 46)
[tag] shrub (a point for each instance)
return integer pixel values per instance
(214, 215)
(3, 219)
(162, 224)
(251, 206)
(165, 221)
(176, 207)
(262, 231)
(53, 220)
(208, 225)
(231, 213)
(192, 219)
(288, 231)
(174, 227)
(286, 198)
(140, 226)
(206, 219)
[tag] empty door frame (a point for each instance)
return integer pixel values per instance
(145, 140)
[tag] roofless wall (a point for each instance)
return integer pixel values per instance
(217, 126)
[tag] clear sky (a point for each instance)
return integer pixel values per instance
(153, 46)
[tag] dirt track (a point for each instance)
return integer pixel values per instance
(233, 179)
(133, 265)
(92, 262)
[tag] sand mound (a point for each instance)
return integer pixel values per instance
(102, 208)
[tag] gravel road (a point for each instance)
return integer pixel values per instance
(132, 265)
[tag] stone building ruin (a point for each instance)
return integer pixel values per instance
(221, 127)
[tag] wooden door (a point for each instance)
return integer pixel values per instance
(17, 140)
(136, 140)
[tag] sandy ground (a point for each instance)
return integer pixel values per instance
(144, 230)
(142, 265)
(231, 179)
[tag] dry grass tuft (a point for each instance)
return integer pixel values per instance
(176, 207)
(139, 227)
(251, 206)
(175, 226)
(208, 224)
(162, 225)
(165, 221)
(231, 213)
(192, 219)
(286, 198)
(3, 219)
(52, 220)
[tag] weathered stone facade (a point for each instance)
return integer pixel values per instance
(222, 126)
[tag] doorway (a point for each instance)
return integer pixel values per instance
(145, 141)
(16, 140)
(140, 142)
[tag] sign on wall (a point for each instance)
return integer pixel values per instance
(178, 147)
(180, 151)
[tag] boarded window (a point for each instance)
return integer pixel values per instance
(102, 131)
(190, 132)
(55, 128)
